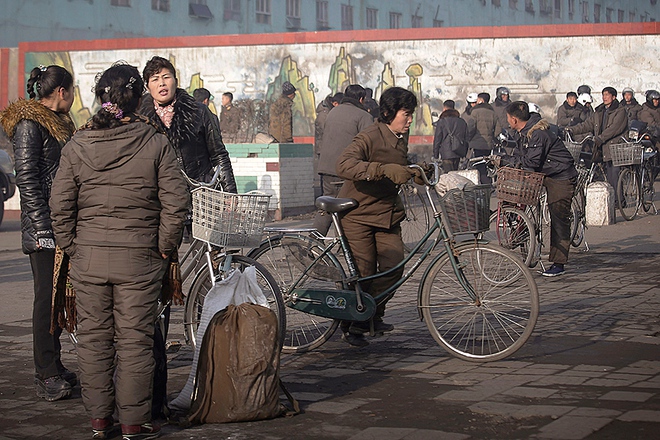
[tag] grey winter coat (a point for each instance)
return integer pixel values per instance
(119, 187)
(343, 123)
(486, 127)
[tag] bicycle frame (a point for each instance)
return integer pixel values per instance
(353, 277)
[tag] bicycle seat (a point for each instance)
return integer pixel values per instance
(333, 204)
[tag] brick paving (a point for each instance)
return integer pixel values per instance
(591, 369)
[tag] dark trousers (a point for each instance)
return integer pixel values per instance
(375, 250)
(483, 172)
(330, 186)
(612, 175)
(450, 164)
(116, 297)
(560, 193)
(46, 347)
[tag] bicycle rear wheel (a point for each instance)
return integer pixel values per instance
(498, 321)
(286, 257)
(417, 220)
(648, 191)
(577, 217)
(628, 193)
(202, 284)
(513, 230)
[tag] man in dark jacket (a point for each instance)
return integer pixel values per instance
(230, 118)
(650, 112)
(630, 104)
(502, 101)
(450, 142)
(343, 123)
(543, 152)
(608, 123)
(280, 119)
(370, 103)
(486, 127)
(571, 112)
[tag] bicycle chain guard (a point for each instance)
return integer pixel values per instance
(330, 303)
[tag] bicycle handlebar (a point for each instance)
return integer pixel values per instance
(436, 173)
(197, 184)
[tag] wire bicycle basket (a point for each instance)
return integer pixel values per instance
(575, 148)
(626, 154)
(466, 211)
(518, 186)
(226, 219)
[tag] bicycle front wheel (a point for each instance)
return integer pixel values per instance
(501, 317)
(286, 257)
(628, 193)
(513, 230)
(202, 284)
(417, 220)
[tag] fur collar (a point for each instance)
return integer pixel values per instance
(541, 125)
(185, 117)
(59, 125)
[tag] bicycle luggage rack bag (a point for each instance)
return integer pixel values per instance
(518, 186)
(226, 219)
(626, 154)
(466, 211)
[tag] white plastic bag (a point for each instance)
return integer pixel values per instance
(237, 288)
(450, 181)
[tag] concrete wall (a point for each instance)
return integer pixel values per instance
(537, 63)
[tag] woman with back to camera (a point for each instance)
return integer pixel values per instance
(118, 207)
(39, 128)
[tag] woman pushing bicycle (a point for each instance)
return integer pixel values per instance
(373, 166)
(540, 150)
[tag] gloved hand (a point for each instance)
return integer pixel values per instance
(597, 142)
(398, 174)
(45, 239)
(495, 160)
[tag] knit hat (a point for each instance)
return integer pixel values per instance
(288, 88)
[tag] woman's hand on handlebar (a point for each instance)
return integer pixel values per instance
(423, 170)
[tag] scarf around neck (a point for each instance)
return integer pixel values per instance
(165, 113)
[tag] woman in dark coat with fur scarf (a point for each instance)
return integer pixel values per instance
(191, 128)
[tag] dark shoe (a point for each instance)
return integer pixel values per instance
(355, 340)
(140, 432)
(361, 328)
(70, 377)
(53, 388)
(101, 428)
(554, 271)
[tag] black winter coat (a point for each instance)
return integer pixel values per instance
(196, 138)
(542, 151)
(450, 122)
(38, 135)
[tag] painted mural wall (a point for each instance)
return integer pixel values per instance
(540, 70)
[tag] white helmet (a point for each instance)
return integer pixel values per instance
(584, 98)
(533, 108)
(472, 97)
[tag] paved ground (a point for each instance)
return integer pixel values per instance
(590, 371)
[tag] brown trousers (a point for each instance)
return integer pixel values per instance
(560, 193)
(375, 250)
(116, 297)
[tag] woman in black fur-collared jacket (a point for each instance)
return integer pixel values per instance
(39, 127)
(190, 126)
